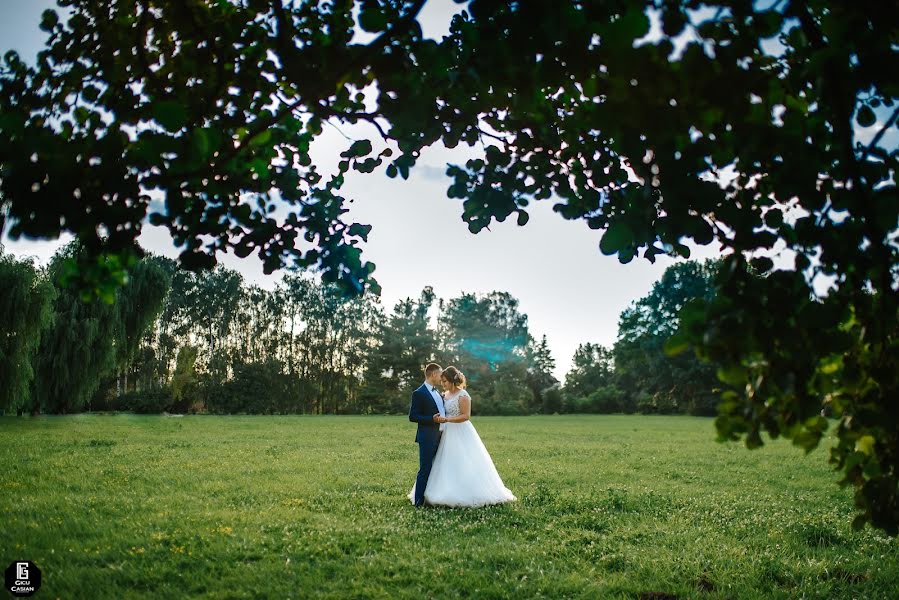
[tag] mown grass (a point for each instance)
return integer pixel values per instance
(292, 507)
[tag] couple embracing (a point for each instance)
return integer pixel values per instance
(454, 466)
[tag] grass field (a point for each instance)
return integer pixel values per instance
(291, 507)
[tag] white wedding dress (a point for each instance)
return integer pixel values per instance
(463, 473)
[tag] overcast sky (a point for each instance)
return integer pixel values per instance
(569, 290)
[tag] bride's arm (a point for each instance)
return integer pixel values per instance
(464, 409)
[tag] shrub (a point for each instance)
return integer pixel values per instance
(256, 388)
(148, 401)
(608, 399)
(553, 400)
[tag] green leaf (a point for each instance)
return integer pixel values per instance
(762, 263)
(682, 250)
(261, 138)
(673, 21)
(81, 115)
(361, 147)
(91, 93)
(831, 364)
(865, 116)
(754, 440)
(522, 218)
(170, 114)
(372, 18)
(357, 148)
(359, 230)
(617, 237)
(807, 440)
(768, 23)
(774, 218)
(676, 344)
(367, 166)
(865, 445)
(635, 24)
(732, 374)
(200, 143)
(49, 20)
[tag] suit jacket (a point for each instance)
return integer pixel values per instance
(422, 410)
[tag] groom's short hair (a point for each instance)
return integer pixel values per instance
(431, 368)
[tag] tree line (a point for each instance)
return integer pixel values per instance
(175, 340)
(638, 373)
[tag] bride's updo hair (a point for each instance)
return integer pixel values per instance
(454, 376)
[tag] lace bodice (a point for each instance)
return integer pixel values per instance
(451, 403)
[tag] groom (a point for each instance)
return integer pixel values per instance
(426, 409)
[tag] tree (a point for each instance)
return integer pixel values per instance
(192, 118)
(592, 367)
(655, 381)
(540, 377)
(77, 351)
(573, 101)
(89, 340)
(174, 328)
(213, 311)
(26, 300)
(579, 104)
(487, 337)
(636, 374)
(293, 293)
(592, 383)
(483, 330)
(139, 303)
(407, 343)
(184, 381)
(504, 390)
(338, 333)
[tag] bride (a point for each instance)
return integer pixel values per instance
(463, 473)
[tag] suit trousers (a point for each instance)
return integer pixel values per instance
(427, 449)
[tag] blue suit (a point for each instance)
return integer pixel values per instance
(422, 410)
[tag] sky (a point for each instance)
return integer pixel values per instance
(569, 290)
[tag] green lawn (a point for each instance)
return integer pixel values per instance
(292, 507)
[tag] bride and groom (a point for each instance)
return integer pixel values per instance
(454, 466)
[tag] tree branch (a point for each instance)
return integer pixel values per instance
(376, 46)
(360, 116)
(890, 122)
(494, 136)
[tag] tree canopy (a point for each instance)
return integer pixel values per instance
(25, 311)
(83, 342)
(666, 383)
(735, 122)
